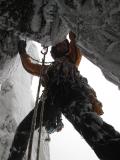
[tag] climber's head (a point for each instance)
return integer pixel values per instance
(60, 49)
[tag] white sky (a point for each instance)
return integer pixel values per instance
(68, 144)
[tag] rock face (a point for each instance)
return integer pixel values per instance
(16, 101)
(96, 24)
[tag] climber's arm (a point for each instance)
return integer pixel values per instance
(74, 53)
(30, 67)
(34, 69)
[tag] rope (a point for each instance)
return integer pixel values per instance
(41, 113)
(35, 112)
(40, 128)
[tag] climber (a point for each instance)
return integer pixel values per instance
(67, 92)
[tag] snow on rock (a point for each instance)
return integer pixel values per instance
(16, 101)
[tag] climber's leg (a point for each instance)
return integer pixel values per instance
(22, 135)
(80, 111)
(102, 137)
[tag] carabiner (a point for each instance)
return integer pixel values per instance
(44, 50)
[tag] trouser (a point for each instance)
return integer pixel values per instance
(77, 108)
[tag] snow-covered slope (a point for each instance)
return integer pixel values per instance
(16, 101)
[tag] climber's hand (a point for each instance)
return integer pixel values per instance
(22, 47)
(72, 36)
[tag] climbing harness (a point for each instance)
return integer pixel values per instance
(44, 52)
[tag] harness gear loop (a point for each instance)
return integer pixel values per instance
(35, 114)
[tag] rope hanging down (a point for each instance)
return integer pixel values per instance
(35, 114)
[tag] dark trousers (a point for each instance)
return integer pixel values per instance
(76, 107)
